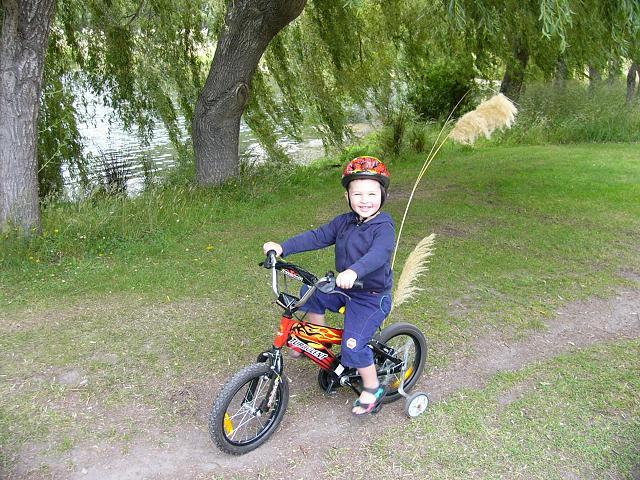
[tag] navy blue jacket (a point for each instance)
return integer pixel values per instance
(365, 248)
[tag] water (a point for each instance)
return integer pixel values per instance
(119, 153)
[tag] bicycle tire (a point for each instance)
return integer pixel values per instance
(241, 419)
(402, 336)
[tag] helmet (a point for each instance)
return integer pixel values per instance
(366, 167)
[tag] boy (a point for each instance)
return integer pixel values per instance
(364, 239)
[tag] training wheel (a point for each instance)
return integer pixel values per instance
(416, 404)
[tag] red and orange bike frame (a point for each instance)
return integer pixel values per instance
(310, 339)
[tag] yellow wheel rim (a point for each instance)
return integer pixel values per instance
(228, 426)
(407, 374)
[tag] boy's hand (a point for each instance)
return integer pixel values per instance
(272, 246)
(345, 279)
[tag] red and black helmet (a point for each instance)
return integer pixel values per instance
(366, 167)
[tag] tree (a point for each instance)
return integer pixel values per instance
(335, 55)
(23, 44)
(249, 28)
(145, 61)
(634, 72)
(547, 34)
(136, 56)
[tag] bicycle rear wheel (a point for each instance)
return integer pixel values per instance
(248, 409)
(402, 341)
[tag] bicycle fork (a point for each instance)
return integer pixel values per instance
(274, 358)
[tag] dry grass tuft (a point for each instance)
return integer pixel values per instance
(414, 267)
(496, 113)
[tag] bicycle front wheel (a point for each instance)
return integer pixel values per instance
(248, 409)
(408, 347)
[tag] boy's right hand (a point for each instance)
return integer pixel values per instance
(272, 246)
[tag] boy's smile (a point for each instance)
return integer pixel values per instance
(365, 197)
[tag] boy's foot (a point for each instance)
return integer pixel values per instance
(369, 401)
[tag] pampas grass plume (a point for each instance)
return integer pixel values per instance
(496, 113)
(414, 267)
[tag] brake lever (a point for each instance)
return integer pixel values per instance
(327, 284)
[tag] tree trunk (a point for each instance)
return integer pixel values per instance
(249, 27)
(23, 46)
(561, 75)
(614, 71)
(634, 71)
(594, 77)
(514, 75)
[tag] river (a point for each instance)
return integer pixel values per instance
(113, 148)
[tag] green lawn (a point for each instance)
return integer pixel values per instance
(576, 416)
(131, 302)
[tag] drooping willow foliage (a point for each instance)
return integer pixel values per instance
(600, 33)
(144, 60)
(147, 60)
(332, 58)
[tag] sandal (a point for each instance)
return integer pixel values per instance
(373, 407)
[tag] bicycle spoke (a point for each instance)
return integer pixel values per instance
(248, 412)
(244, 421)
(404, 352)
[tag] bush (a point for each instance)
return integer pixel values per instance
(435, 93)
(573, 114)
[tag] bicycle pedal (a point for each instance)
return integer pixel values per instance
(331, 390)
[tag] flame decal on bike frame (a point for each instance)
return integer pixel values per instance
(313, 340)
(318, 333)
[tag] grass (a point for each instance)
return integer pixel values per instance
(576, 113)
(131, 312)
(576, 416)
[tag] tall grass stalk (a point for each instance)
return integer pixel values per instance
(435, 148)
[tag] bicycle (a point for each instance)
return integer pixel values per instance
(251, 405)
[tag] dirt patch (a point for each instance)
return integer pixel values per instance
(316, 425)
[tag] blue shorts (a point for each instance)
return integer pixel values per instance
(364, 313)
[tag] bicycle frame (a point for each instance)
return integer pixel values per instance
(311, 339)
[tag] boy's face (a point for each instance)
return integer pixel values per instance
(365, 196)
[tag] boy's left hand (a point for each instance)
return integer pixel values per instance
(346, 279)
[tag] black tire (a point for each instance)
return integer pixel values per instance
(241, 419)
(402, 336)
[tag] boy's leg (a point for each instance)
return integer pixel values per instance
(364, 315)
(318, 304)
(317, 318)
(369, 380)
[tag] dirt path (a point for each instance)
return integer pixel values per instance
(311, 431)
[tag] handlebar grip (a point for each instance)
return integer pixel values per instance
(358, 285)
(271, 259)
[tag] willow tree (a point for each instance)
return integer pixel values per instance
(137, 57)
(23, 44)
(146, 61)
(248, 29)
(546, 33)
(334, 55)
(598, 36)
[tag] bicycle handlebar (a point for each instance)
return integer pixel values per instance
(326, 284)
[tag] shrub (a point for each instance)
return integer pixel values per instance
(575, 113)
(435, 93)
